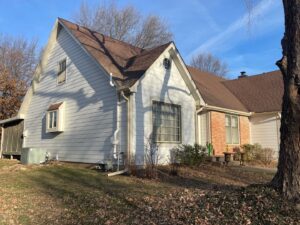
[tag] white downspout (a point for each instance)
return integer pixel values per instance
(115, 138)
(115, 142)
(128, 127)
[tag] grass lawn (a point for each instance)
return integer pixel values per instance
(70, 194)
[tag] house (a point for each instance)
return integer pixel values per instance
(95, 99)
(241, 111)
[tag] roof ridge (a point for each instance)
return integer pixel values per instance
(254, 76)
(114, 39)
(209, 73)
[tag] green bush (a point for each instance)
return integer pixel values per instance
(191, 155)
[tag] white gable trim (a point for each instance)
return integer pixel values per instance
(39, 70)
(107, 73)
(172, 50)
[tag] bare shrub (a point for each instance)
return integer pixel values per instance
(152, 156)
(255, 152)
(174, 162)
(266, 155)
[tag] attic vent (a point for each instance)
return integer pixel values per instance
(167, 63)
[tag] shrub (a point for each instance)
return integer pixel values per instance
(255, 152)
(251, 151)
(174, 162)
(266, 156)
(237, 155)
(191, 155)
(152, 157)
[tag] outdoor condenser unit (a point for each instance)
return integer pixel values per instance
(33, 155)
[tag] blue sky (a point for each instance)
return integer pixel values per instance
(220, 27)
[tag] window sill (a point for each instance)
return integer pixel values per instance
(53, 130)
(167, 142)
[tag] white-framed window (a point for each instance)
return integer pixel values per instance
(55, 118)
(62, 71)
(232, 129)
(166, 122)
(52, 119)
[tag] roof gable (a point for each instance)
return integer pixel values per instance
(125, 62)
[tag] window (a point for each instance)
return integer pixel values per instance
(232, 129)
(166, 122)
(54, 118)
(61, 75)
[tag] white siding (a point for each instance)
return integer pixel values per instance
(90, 107)
(265, 131)
(167, 86)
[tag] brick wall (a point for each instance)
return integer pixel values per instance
(244, 130)
(218, 132)
(217, 124)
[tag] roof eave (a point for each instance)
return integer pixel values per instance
(16, 118)
(226, 110)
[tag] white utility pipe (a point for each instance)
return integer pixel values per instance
(128, 127)
(111, 80)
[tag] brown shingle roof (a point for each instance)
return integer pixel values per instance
(54, 106)
(126, 62)
(259, 93)
(213, 90)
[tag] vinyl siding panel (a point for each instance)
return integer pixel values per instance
(265, 131)
(90, 107)
(161, 85)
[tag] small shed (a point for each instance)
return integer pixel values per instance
(11, 137)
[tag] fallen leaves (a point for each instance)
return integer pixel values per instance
(64, 194)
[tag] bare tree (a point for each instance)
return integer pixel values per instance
(125, 24)
(17, 63)
(208, 63)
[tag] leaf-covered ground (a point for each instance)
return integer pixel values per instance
(70, 194)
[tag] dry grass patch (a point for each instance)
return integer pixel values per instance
(68, 194)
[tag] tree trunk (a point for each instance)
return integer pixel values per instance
(287, 178)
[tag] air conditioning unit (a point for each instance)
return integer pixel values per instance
(33, 156)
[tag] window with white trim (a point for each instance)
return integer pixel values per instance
(62, 72)
(55, 118)
(232, 129)
(52, 119)
(166, 122)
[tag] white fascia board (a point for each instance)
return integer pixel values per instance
(18, 117)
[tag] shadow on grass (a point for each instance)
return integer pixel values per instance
(90, 195)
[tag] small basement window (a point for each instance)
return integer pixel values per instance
(62, 72)
(166, 122)
(54, 118)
